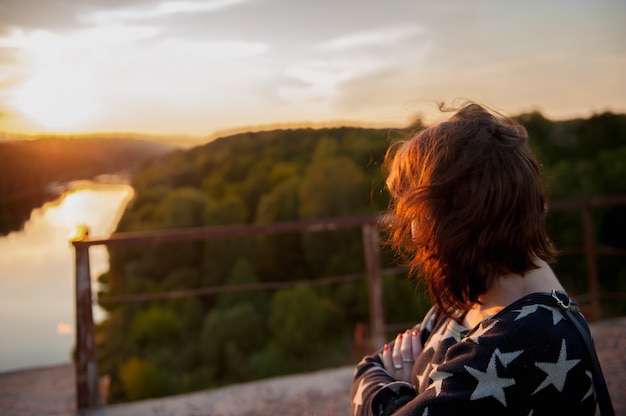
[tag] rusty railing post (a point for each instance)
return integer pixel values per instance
(86, 366)
(374, 284)
(591, 260)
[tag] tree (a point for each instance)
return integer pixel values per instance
(142, 379)
(230, 336)
(332, 187)
(243, 273)
(280, 256)
(155, 327)
(229, 209)
(219, 256)
(182, 207)
(297, 320)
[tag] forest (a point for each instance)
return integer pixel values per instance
(30, 167)
(158, 348)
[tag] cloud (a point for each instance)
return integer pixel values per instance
(372, 38)
(169, 65)
(358, 72)
(156, 10)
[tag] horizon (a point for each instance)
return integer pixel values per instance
(207, 68)
(191, 140)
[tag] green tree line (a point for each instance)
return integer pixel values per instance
(583, 158)
(167, 347)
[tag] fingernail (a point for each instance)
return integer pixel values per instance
(400, 335)
(414, 333)
(386, 347)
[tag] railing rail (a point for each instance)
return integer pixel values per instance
(86, 368)
(586, 207)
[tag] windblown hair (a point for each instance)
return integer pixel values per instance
(467, 206)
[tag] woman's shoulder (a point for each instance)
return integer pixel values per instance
(534, 325)
(542, 312)
(536, 312)
(526, 357)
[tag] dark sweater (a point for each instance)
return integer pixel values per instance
(526, 360)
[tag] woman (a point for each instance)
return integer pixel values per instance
(469, 209)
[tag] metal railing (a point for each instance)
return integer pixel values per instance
(86, 366)
(87, 393)
(590, 246)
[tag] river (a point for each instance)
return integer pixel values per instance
(37, 310)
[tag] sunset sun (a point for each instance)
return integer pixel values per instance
(57, 98)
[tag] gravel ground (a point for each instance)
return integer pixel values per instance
(320, 393)
(50, 391)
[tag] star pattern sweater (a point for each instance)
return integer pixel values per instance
(525, 360)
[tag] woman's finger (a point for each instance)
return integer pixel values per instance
(387, 360)
(416, 344)
(406, 348)
(397, 353)
(398, 357)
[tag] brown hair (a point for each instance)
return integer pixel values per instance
(467, 205)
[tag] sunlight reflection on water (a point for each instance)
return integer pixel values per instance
(37, 273)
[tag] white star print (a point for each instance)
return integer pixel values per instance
(489, 384)
(358, 396)
(434, 339)
(448, 331)
(482, 330)
(429, 322)
(507, 357)
(526, 310)
(556, 373)
(530, 309)
(425, 412)
(438, 377)
(591, 390)
(453, 330)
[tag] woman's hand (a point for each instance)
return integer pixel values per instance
(398, 360)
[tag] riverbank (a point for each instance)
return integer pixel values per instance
(50, 391)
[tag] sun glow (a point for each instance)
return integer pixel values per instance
(62, 97)
(55, 84)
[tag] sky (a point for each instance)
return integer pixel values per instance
(200, 67)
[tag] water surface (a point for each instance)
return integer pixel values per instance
(37, 310)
